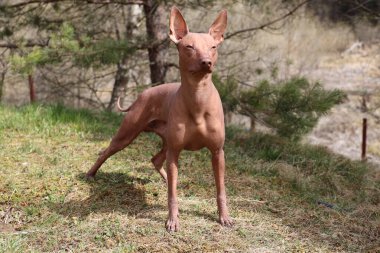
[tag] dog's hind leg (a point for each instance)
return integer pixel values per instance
(115, 146)
(158, 162)
(158, 127)
(133, 123)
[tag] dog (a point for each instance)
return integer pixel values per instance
(187, 115)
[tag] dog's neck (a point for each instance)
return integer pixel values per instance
(193, 82)
(196, 89)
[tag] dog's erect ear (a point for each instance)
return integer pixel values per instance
(178, 26)
(219, 26)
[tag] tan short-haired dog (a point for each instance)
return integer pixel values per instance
(186, 115)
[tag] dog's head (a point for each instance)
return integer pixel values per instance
(197, 51)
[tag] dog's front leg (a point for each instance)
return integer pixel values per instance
(172, 223)
(218, 166)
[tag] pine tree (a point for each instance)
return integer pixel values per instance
(291, 108)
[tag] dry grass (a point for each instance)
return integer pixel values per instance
(46, 205)
(357, 73)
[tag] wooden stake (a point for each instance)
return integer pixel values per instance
(32, 93)
(364, 140)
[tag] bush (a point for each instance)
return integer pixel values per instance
(292, 108)
(227, 91)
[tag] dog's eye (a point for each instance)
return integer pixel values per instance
(213, 47)
(190, 47)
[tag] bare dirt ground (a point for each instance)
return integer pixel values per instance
(357, 72)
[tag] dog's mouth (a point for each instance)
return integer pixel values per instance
(206, 69)
(209, 70)
(201, 70)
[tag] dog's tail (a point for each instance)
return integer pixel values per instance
(120, 108)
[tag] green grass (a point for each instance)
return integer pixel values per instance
(274, 187)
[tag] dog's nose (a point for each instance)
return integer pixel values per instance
(206, 63)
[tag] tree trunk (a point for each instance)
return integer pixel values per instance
(120, 84)
(121, 78)
(157, 29)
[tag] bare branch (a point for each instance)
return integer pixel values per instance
(171, 65)
(366, 9)
(121, 2)
(103, 2)
(27, 44)
(260, 27)
(22, 4)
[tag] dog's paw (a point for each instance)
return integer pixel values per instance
(172, 224)
(90, 177)
(226, 221)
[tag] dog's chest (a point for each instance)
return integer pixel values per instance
(202, 126)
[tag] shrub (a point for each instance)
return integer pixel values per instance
(291, 108)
